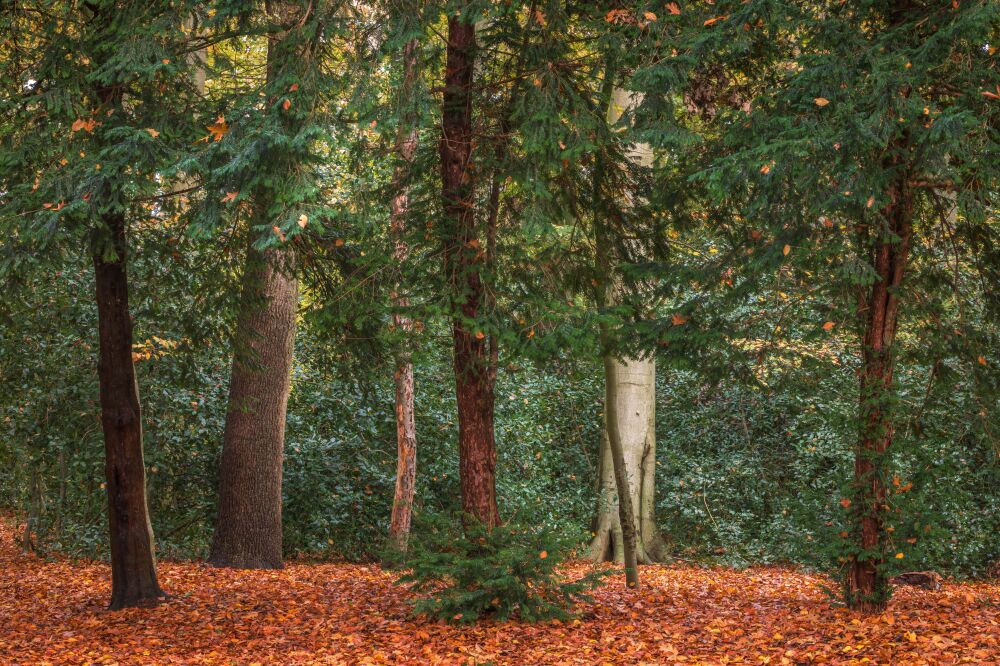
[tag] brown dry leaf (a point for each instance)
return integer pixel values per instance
(86, 125)
(821, 101)
(341, 613)
(218, 129)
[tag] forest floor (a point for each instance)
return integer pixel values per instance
(53, 612)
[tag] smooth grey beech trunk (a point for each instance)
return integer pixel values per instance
(634, 407)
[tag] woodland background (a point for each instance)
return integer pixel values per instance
(731, 189)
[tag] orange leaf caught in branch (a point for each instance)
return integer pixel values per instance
(87, 125)
(218, 129)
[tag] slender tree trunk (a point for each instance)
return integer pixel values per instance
(867, 581)
(406, 430)
(133, 565)
(626, 511)
(625, 526)
(464, 257)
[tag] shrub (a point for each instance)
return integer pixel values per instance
(509, 571)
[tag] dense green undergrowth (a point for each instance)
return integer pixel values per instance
(746, 474)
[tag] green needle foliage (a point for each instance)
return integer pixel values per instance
(505, 572)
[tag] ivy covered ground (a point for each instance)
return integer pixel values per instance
(53, 613)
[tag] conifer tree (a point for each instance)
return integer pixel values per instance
(844, 137)
(405, 146)
(274, 184)
(475, 370)
(85, 144)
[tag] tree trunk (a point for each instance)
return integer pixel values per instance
(632, 403)
(406, 430)
(133, 565)
(635, 409)
(248, 531)
(626, 510)
(867, 580)
(464, 257)
(605, 275)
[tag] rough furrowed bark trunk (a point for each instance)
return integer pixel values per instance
(248, 532)
(248, 528)
(133, 564)
(635, 407)
(406, 430)
(867, 580)
(464, 259)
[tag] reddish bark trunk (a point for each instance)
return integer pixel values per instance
(867, 581)
(464, 258)
(133, 565)
(406, 431)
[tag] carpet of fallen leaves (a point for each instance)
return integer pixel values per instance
(54, 613)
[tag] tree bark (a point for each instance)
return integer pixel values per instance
(248, 531)
(626, 511)
(636, 410)
(633, 405)
(406, 430)
(867, 580)
(605, 275)
(464, 257)
(133, 564)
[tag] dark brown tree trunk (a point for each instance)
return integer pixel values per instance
(464, 261)
(406, 430)
(867, 582)
(248, 529)
(133, 565)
